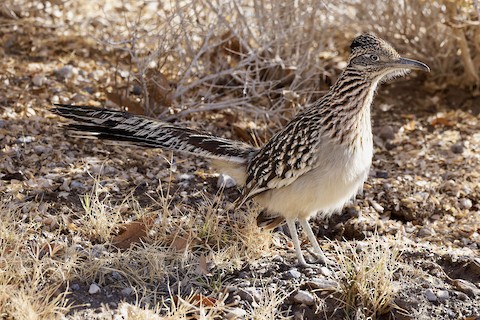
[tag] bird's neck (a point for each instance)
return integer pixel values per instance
(346, 109)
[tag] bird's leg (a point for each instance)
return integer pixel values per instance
(316, 247)
(293, 233)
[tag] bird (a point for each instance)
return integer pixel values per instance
(315, 165)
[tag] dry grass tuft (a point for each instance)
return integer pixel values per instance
(269, 306)
(366, 276)
(29, 277)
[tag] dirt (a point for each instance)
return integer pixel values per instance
(423, 189)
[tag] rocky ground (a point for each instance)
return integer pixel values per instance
(109, 231)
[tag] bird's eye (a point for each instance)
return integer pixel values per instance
(374, 57)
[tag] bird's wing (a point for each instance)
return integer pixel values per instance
(286, 157)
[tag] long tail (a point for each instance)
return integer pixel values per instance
(142, 131)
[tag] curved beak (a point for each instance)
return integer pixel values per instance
(404, 63)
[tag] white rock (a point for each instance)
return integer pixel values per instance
(322, 284)
(465, 203)
(94, 288)
(304, 297)
(225, 181)
(293, 274)
(39, 80)
(443, 295)
(325, 271)
(235, 313)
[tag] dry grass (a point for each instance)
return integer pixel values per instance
(262, 59)
(366, 277)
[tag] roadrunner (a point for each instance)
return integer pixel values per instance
(316, 164)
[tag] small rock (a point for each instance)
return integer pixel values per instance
(94, 288)
(127, 291)
(461, 296)
(185, 177)
(39, 149)
(65, 72)
(465, 203)
(376, 206)
(443, 295)
(75, 287)
(386, 133)
(293, 274)
(430, 295)
(39, 80)
(381, 174)
(25, 139)
(425, 232)
(77, 185)
(466, 287)
(235, 313)
(250, 294)
(457, 148)
(322, 284)
(325, 271)
(304, 297)
(225, 181)
(89, 90)
(278, 258)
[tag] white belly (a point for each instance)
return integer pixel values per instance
(325, 189)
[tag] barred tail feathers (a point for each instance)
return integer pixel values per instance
(142, 131)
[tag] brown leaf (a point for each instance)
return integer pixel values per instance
(197, 300)
(179, 243)
(123, 101)
(201, 300)
(51, 249)
(442, 121)
(132, 232)
(202, 268)
(159, 90)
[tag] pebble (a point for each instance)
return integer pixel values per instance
(386, 133)
(127, 291)
(225, 181)
(381, 174)
(465, 203)
(94, 288)
(39, 149)
(425, 232)
(185, 177)
(322, 284)
(75, 287)
(39, 80)
(304, 297)
(443, 295)
(325, 271)
(250, 294)
(25, 139)
(65, 71)
(457, 148)
(77, 185)
(376, 206)
(235, 313)
(293, 274)
(430, 295)
(278, 258)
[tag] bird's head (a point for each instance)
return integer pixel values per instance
(378, 60)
